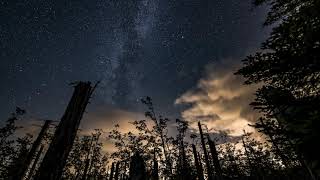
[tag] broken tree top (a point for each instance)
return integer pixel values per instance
(60, 147)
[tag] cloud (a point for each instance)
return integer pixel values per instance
(105, 118)
(220, 100)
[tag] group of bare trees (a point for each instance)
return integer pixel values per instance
(199, 157)
(150, 151)
(22, 159)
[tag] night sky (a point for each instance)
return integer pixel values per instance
(156, 48)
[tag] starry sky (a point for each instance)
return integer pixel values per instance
(165, 49)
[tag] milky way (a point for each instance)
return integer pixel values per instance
(157, 48)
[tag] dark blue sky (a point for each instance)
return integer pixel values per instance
(157, 48)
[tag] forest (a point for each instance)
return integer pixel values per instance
(288, 69)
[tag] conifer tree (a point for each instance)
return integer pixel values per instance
(288, 66)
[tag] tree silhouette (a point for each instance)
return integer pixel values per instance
(8, 150)
(86, 159)
(288, 66)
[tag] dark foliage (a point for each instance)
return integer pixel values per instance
(288, 67)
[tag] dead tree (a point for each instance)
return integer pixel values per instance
(55, 159)
(111, 172)
(34, 164)
(18, 161)
(182, 166)
(215, 158)
(87, 162)
(137, 168)
(116, 173)
(200, 163)
(197, 163)
(155, 170)
(20, 173)
(206, 158)
(159, 126)
(184, 161)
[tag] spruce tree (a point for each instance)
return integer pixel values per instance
(288, 67)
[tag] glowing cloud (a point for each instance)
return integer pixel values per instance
(105, 118)
(220, 101)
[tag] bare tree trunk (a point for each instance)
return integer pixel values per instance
(116, 174)
(17, 162)
(200, 164)
(197, 163)
(85, 171)
(137, 168)
(28, 159)
(55, 159)
(207, 162)
(87, 162)
(215, 158)
(35, 162)
(167, 158)
(184, 156)
(155, 170)
(111, 172)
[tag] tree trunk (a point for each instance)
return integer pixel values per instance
(215, 158)
(111, 172)
(116, 174)
(207, 162)
(28, 159)
(197, 163)
(137, 168)
(87, 162)
(155, 170)
(55, 159)
(35, 162)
